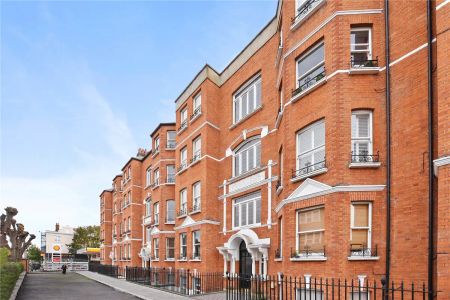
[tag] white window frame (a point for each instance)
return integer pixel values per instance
(183, 117)
(237, 98)
(156, 248)
(129, 223)
(196, 198)
(169, 174)
(156, 177)
(156, 144)
(148, 208)
(313, 150)
(358, 139)
(369, 45)
(148, 176)
(297, 224)
(148, 235)
(257, 196)
(308, 72)
(170, 248)
(197, 103)
(156, 213)
(183, 201)
(196, 148)
(167, 211)
(171, 143)
(352, 220)
(196, 244)
(183, 234)
(183, 157)
(239, 151)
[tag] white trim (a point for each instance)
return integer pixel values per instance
(202, 222)
(238, 191)
(196, 129)
(369, 221)
(442, 5)
(439, 162)
(335, 189)
(356, 258)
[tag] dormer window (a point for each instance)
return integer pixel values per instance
(247, 156)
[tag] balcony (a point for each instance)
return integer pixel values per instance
(365, 66)
(196, 207)
(309, 170)
(308, 254)
(196, 157)
(171, 145)
(170, 179)
(310, 84)
(197, 112)
(183, 166)
(183, 126)
(182, 212)
(363, 159)
(360, 251)
(305, 11)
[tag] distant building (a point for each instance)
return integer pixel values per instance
(54, 243)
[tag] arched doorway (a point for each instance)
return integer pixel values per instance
(245, 265)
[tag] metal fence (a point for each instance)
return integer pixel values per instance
(108, 270)
(298, 288)
(183, 282)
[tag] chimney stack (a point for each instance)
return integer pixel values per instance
(57, 227)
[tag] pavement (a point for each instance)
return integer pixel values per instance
(55, 285)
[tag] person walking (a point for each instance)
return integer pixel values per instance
(64, 268)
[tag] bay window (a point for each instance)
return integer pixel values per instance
(361, 47)
(183, 202)
(196, 244)
(183, 158)
(170, 248)
(247, 99)
(148, 208)
(156, 177)
(156, 145)
(183, 119)
(156, 248)
(310, 68)
(170, 211)
(360, 228)
(310, 232)
(171, 139)
(247, 210)
(310, 149)
(170, 174)
(156, 213)
(247, 156)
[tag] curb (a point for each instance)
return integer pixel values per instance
(18, 285)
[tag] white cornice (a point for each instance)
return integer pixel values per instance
(439, 163)
(190, 224)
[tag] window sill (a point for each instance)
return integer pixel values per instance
(279, 189)
(195, 212)
(372, 165)
(358, 258)
(169, 149)
(247, 226)
(170, 223)
(183, 170)
(246, 117)
(169, 259)
(278, 259)
(155, 187)
(311, 174)
(317, 258)
(181, 130)
(195, 117)
(154, 154)
(195, 162)
(155, 259)
(305, 17)
(182, 259)
(170, 183)
(309, 90)
(279, 117)
(183, 216)
(196, 260)
(364, 71)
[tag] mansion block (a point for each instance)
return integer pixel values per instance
(322, 149)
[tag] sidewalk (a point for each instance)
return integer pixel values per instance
(139, 291)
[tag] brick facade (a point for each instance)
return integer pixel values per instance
(245, 164)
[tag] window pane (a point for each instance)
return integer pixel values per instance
(258, 154)
(359, 37)
(361, 215)
(251, 100)
(244, 104)
(359, 237)
(305, 141)
(306, 63)
(319, 156)
(311, 219)
(305, 160)
(363, 125)
(251, 212)
(244, 215)
(258, 210)
(258, 93)
(237, 110)
(236, 216)
(319, 135)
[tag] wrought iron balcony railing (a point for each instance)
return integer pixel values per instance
(308, 252)
(364, 63)
(364, 157)
(304, 9)
(170, 178)
(361, 250)
(309, 169)
(196, 112)
(182, 166)
(183, 125)
(196, 207)
(196, 156)
(182, 212)
(310, 82)
(171, 144)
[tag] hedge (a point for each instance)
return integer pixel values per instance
(9, 273)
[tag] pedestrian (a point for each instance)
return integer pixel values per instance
(64, 268)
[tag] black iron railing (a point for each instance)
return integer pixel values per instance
(304, 9)
(171, 144)
(183, 125)
(170, 179)
(309, 169)
(196, 207)
(182, 166)
(308, 83)
(196, 157)
(281, 287)
(182, 212)
(196, 112)
(361, 250)
(108, 270)
(364, 157)
(308, 252)
(364, 63)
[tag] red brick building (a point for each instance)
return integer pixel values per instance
(309, 154)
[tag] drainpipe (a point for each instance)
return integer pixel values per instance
(430, 153)
(388, 145)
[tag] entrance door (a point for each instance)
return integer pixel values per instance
(245, 265)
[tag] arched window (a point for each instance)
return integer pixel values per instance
(247, 156)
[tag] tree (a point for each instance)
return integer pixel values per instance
(85, 236)
(16, 233)
(34, 253)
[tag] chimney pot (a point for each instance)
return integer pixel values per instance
(57, 227)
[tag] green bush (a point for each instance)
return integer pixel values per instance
(9, 272)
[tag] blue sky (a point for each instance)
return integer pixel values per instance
(84, 83)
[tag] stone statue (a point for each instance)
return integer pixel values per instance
(18, 242)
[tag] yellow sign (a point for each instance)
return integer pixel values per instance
(56, 247)
(93, 250)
